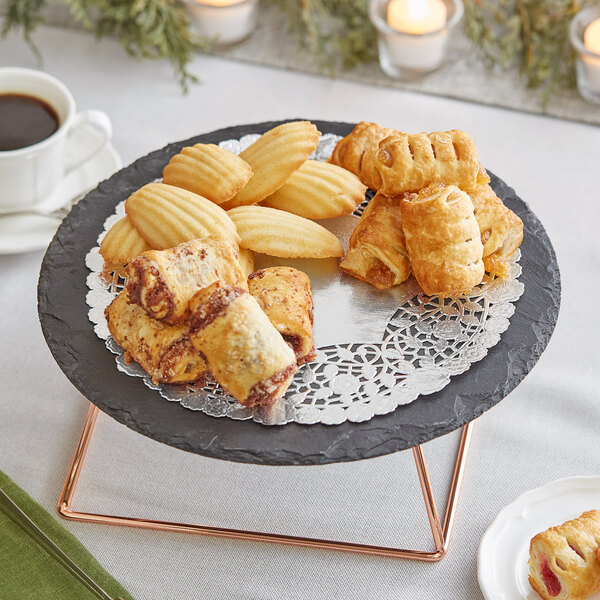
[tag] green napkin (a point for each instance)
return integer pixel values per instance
(27, 572)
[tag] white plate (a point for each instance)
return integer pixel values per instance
(504, 549)
(24, 233)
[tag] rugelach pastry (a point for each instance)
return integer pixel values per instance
(409, 162)
(165, 215)
(165, 352)
(377, 250)
(563, 560)
(273, 158)
(285, 296)
(163, 282)
(318, 190)
(244, 351)
(357, 150)
(208, 170)
(501, 229)
(443, 240)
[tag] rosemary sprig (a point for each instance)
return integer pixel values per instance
(156, 29)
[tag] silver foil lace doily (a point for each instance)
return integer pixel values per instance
(376, 350)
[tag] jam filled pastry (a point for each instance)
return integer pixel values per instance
(244, 351)
(355, 152)
(163, 281)
(377, 251)
(164, 352)
(443, 240)
(409, 162)
(285, 296)
(563, 560)
(501, 229)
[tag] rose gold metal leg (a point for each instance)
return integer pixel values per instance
(441, 533)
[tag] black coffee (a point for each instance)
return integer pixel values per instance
(24, 121)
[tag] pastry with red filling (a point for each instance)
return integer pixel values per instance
(564, 561)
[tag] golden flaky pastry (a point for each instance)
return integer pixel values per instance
(244, 351)
(563, 560)
(377, 251)
(410, 162)
(285, 295)
(273, 158)
(357, 150)
(318, 190)
(501, 229)
(166, 215)
(121, 244)
(443, 240)
(280, 233)
(164, 351)
(246, 260)
(208, 170)
(163, 282)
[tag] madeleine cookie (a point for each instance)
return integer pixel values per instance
(273, 158)
(246, 260)
(208, 170)
(122, 243)
(319, 190)
(166, 215)
(279, 233)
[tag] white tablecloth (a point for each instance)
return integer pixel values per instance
(546, 429)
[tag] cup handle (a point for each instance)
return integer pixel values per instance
(98, 120)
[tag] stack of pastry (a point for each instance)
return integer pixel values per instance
(264, 200)
(188, 311)
(434, 213)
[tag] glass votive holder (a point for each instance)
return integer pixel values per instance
(584, 33)
(224, 21)
(414, 44)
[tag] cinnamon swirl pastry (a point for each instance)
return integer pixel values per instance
(244, 351)
(162, 282)
(285, 296)
(164, 352)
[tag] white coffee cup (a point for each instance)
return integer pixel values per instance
(28, 175)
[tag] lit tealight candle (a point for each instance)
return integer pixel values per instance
(417, 16)
(226, 21)
(591, 42)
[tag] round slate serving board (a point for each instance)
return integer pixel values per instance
(91, 368)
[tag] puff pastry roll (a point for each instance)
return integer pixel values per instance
(163, 281)
(409, 162)
(443, 240)
(377, 250)
(244, 351)
(285, 295)
(563, 561)
(164, 352)
(355, 152)
(501, 229)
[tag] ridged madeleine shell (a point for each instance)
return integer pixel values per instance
(165, 216)
(273, 158)
(319, 190)
(279, 233)
(208, 170)
(122, 243)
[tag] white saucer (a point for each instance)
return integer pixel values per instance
(504, 549)
(24, 233)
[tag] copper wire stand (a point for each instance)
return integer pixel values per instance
(441, 533)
